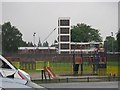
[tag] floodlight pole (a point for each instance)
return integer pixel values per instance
(112, 41)
(34, 40)
(81, 60)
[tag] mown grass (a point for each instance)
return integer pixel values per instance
(112, 67)
(65, 68)
(61, 68)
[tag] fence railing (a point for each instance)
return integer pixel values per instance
(61, 64)
(63, 68)
(76, 79)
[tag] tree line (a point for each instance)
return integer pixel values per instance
(12, 37)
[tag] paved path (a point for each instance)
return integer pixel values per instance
(37, 75)
(82, 85)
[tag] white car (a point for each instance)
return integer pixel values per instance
(8, 70)
(18, 84)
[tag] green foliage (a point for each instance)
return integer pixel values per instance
(30, 44)
(39, 43)
(11, 38)
(84, 33)
(118, 40)
(111, 44)
(45, 44)
(23, 44)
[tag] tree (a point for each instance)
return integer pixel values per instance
(84, 33)
(55, 41)
(11, 38)
(118, 40)
(39, 43)
(111, 44)
(53, 45)
(30, 44)
(45, 44)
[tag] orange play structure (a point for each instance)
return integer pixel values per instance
(50, 72)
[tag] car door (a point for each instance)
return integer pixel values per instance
(5, 69)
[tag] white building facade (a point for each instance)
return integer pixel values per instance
(64, 35)
(65, 45)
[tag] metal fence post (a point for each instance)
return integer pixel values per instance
(87, 79)
(67, 80)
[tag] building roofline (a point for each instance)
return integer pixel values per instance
(21, 48)
(83, 43)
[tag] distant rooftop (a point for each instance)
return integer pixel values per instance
(22, 48)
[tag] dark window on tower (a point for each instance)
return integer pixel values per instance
(64, 23)
(58, 22)
(64, 38)
(64, 30)
(58, 31)
(64, 46)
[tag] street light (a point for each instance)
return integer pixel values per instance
(81, 59)
(74, 65)
(34, 40)
(112, 41)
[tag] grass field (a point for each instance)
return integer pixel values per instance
(112, 67)
(65, 68)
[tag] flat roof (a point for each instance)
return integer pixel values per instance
(83, 43)
(22, 48)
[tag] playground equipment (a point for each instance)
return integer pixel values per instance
(98, 61)
(40, 65)
(50, 72)
(45, 69)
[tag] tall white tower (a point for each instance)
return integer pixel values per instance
(64, 35)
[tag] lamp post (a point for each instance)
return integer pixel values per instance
(81, 60)
(34, 40)
(112, 41)
(74, 63)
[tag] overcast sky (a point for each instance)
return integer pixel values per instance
(41, 17)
